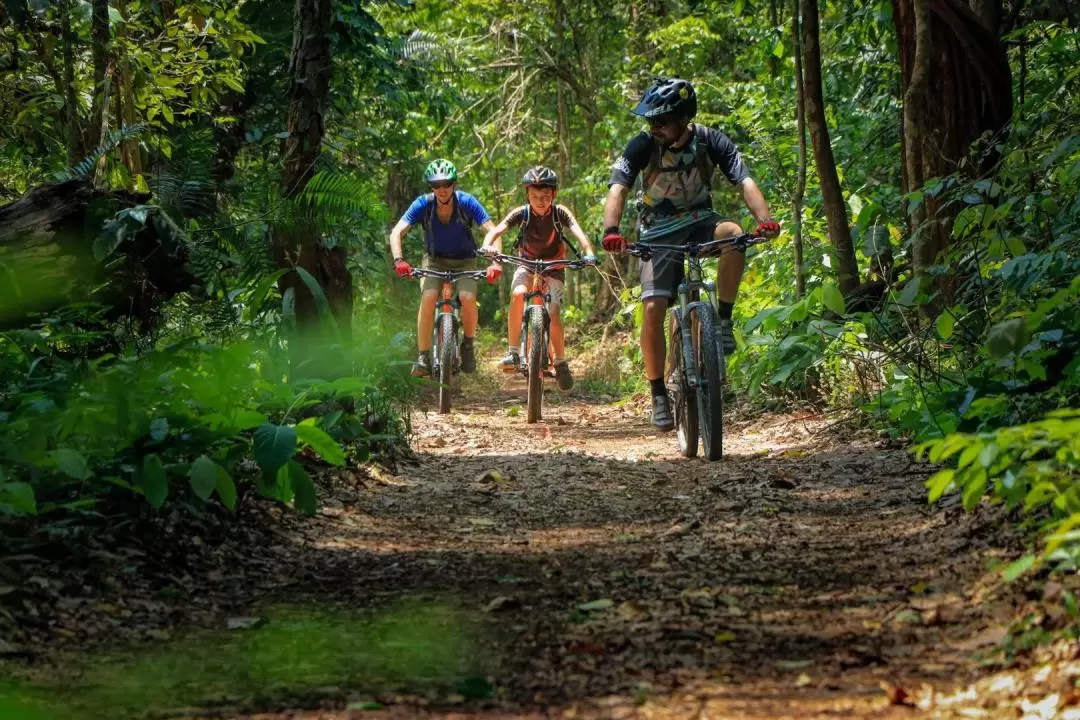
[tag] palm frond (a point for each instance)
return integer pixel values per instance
(112, 141)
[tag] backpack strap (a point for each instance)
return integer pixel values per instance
(519, 243)
(562, 235)
(652, 170)
(701, 154)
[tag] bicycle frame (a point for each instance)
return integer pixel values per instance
(447, 303)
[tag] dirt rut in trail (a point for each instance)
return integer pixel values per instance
(802, 576)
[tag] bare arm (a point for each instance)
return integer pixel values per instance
(493, 239)
(613, 206)
(579, 234)
(396, 235)
(754, 200)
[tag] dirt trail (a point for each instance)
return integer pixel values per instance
(578, 567)
(802, 576)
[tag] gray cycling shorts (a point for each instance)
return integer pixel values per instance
(662, 273)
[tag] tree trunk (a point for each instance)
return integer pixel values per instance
(99, 50)
(847, 270)
(957, 92)
(800, 184)
(296, 241)
(75, 149)
(130, 153)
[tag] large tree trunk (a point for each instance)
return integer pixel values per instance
(71, 107)
(800, 183)
(296, 241)
(847, 270)
(957, 90)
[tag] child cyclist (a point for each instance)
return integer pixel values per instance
(542, 236)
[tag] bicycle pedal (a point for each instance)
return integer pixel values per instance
(549, 373)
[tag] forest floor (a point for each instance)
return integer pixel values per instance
(576, 568)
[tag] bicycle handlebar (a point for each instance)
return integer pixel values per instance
(541, 266)
(738, 242)
(448, 275)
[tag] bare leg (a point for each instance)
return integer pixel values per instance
(652, 336)
(731, 264)
(469, 313)
(513, 318)
(558, 339)
(425, 320)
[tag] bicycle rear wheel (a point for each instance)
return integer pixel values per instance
(685, 405)
(536, 346)
(710, 391)
(447, 348)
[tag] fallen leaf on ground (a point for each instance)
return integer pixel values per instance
(244, 623)
(602, 604)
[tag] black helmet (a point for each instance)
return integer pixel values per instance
(541, 176)
(668, 95)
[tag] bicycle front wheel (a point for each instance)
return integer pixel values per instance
(447, 348)
(537, 343)
(685, 405)
(710, 391)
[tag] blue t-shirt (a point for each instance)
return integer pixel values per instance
(453, 239)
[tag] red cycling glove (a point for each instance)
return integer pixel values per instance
(402, 268)
(768, 228)
(614, 242)
(494, 272)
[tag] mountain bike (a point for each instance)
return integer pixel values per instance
(696, 367)
(445, 362)
(536, 326)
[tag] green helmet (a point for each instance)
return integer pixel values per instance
(439, 170)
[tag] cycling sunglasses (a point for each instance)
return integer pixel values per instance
(442, 184)
(661, 121)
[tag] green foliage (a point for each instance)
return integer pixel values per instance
(1031, 467)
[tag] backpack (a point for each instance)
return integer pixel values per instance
(520, 242)
(701, 156)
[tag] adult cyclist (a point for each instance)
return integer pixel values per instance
(544, 227)
(447, 216)
(676, 159)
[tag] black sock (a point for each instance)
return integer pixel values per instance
(467, 341)
(725, 309)
(658, 387)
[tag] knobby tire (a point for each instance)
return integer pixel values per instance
(710, 391)
(447, 348)
(536, 344)
(685, 406)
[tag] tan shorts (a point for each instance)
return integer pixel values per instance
(523, 278)
(464, 285)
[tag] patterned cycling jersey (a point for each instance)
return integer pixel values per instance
(676, 189)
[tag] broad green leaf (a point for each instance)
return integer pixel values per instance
(1006, 338)
(974, 491)
(153, 481)
(71, 463)
(203, 475)
(110, 237)
(833, 299)
(939, 483)
(327, 447)
(273, 446)
(226, 488)
(1018, 568)
(945, 324)
(20, 496)
(159, 429)
(247, 419)
(303, 489)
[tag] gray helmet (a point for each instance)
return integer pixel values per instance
(668, 96)
(541, 176)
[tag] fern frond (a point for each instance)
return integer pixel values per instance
(338, 196)
(430, 50)
(84, 169)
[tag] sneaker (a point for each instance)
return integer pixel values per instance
(511, 361)
(563, 376)
(422, 366)
(468, 356)
(661, 413)
(727, 338)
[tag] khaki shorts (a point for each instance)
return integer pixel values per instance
(523, 278)
(464, 285)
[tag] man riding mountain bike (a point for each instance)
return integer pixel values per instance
(543, 225)
(447, 216)
(676, 159)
